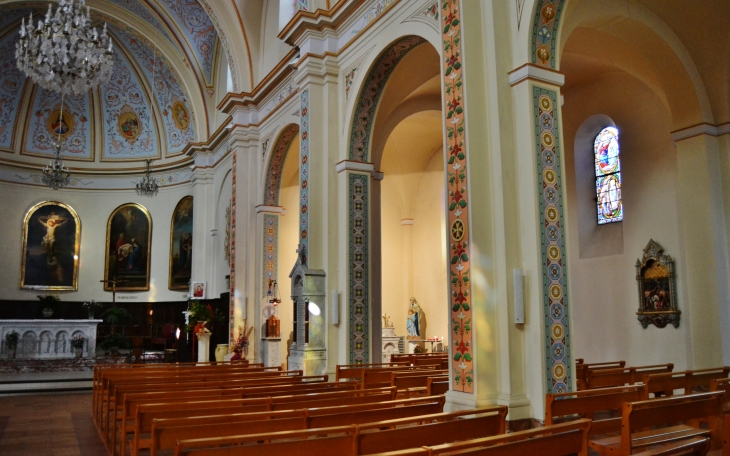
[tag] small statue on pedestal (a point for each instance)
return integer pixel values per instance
(414, 322)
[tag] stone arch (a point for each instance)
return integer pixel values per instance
(272, 184)
(46, 345)
(364, 194)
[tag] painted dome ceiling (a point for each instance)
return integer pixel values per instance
(153, 105)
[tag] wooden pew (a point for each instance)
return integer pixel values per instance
(368, 438)
(604, 378)
(415, 384)
(653, 423)
(556, 440)
(688, 381)
(435, 387)
(380, 378)
(109, 382)
(109, 407)
(581, 371)
(587, 403)
(146, 413)
(723, 385)
(166, 433)
(354, 371)
(130, 402)
(103, 374)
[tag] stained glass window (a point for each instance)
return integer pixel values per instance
(608, 176)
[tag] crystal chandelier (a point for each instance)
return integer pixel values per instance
(148, 185)
(55, 175)
(63, 53)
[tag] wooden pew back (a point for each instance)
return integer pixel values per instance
(585, 404)
(581, 370)
(604, 378)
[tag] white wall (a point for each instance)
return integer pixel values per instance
(603, 287)
(93, 209)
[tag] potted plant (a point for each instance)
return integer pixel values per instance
(112, 343)
(77, 343)
(11, 343)
(117, 316)
(92, 307)
(49, 304)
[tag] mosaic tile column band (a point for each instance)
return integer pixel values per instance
(359, 273)
(232, 305)
(554, 268)
(463, 374)
(304, 170)
(271, 258)
(544, 31)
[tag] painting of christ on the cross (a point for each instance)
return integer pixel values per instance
(51, 237)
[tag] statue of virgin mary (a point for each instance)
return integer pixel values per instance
(414, 322)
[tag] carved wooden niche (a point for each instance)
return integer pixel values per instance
(657, 289)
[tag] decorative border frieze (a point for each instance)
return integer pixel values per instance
(544, 31)
(276, 164)
(359, 269)
(462, 344)
(304, 170)
(552, 231)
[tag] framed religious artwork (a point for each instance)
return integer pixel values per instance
(128, 242)
(181, 245)
(197, 290)
(657, 295)
(51, 240)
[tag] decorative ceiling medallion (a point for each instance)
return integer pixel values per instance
(60, 123)
(180, 115)
(128, 124)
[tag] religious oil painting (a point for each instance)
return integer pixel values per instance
(128, 124)
(128, 240)
(60, 123)
(655, 274)
(180, 115)
(51, 239)
(181, 245)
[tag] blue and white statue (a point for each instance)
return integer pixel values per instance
(414, 322)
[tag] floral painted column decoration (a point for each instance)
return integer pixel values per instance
(457, 199)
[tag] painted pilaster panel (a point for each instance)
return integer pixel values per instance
(359, 268)
(544, 31)
(463, 374)
(552, 230)
(304, 170)
(271, 258)
(232, 304)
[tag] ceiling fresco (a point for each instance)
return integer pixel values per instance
(129, 118)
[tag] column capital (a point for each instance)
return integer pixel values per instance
(358, 166)
(530, 72)
(275, 210)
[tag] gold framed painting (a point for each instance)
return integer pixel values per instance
(128, 248)
(181, 245)
(51, 240)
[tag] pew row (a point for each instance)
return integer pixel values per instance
(354, 440)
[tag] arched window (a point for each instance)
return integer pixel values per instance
(608, 176)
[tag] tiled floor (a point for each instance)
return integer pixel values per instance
(48, 425)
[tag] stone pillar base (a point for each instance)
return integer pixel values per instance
(271, 351)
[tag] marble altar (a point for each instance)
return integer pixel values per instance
(49, 339)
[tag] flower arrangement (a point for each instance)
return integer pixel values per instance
(78, 341)
(239, 346)
(92, 307)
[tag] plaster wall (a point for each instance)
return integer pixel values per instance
(93, 209)
(603, 288)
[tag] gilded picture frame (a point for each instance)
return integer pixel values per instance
(657, 289)
(181, 245)
(50, 249)
(128, 249)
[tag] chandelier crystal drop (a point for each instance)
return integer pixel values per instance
(55, 175)
(148, 185)
(63, 53)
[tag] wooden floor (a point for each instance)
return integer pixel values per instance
(48, 425)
